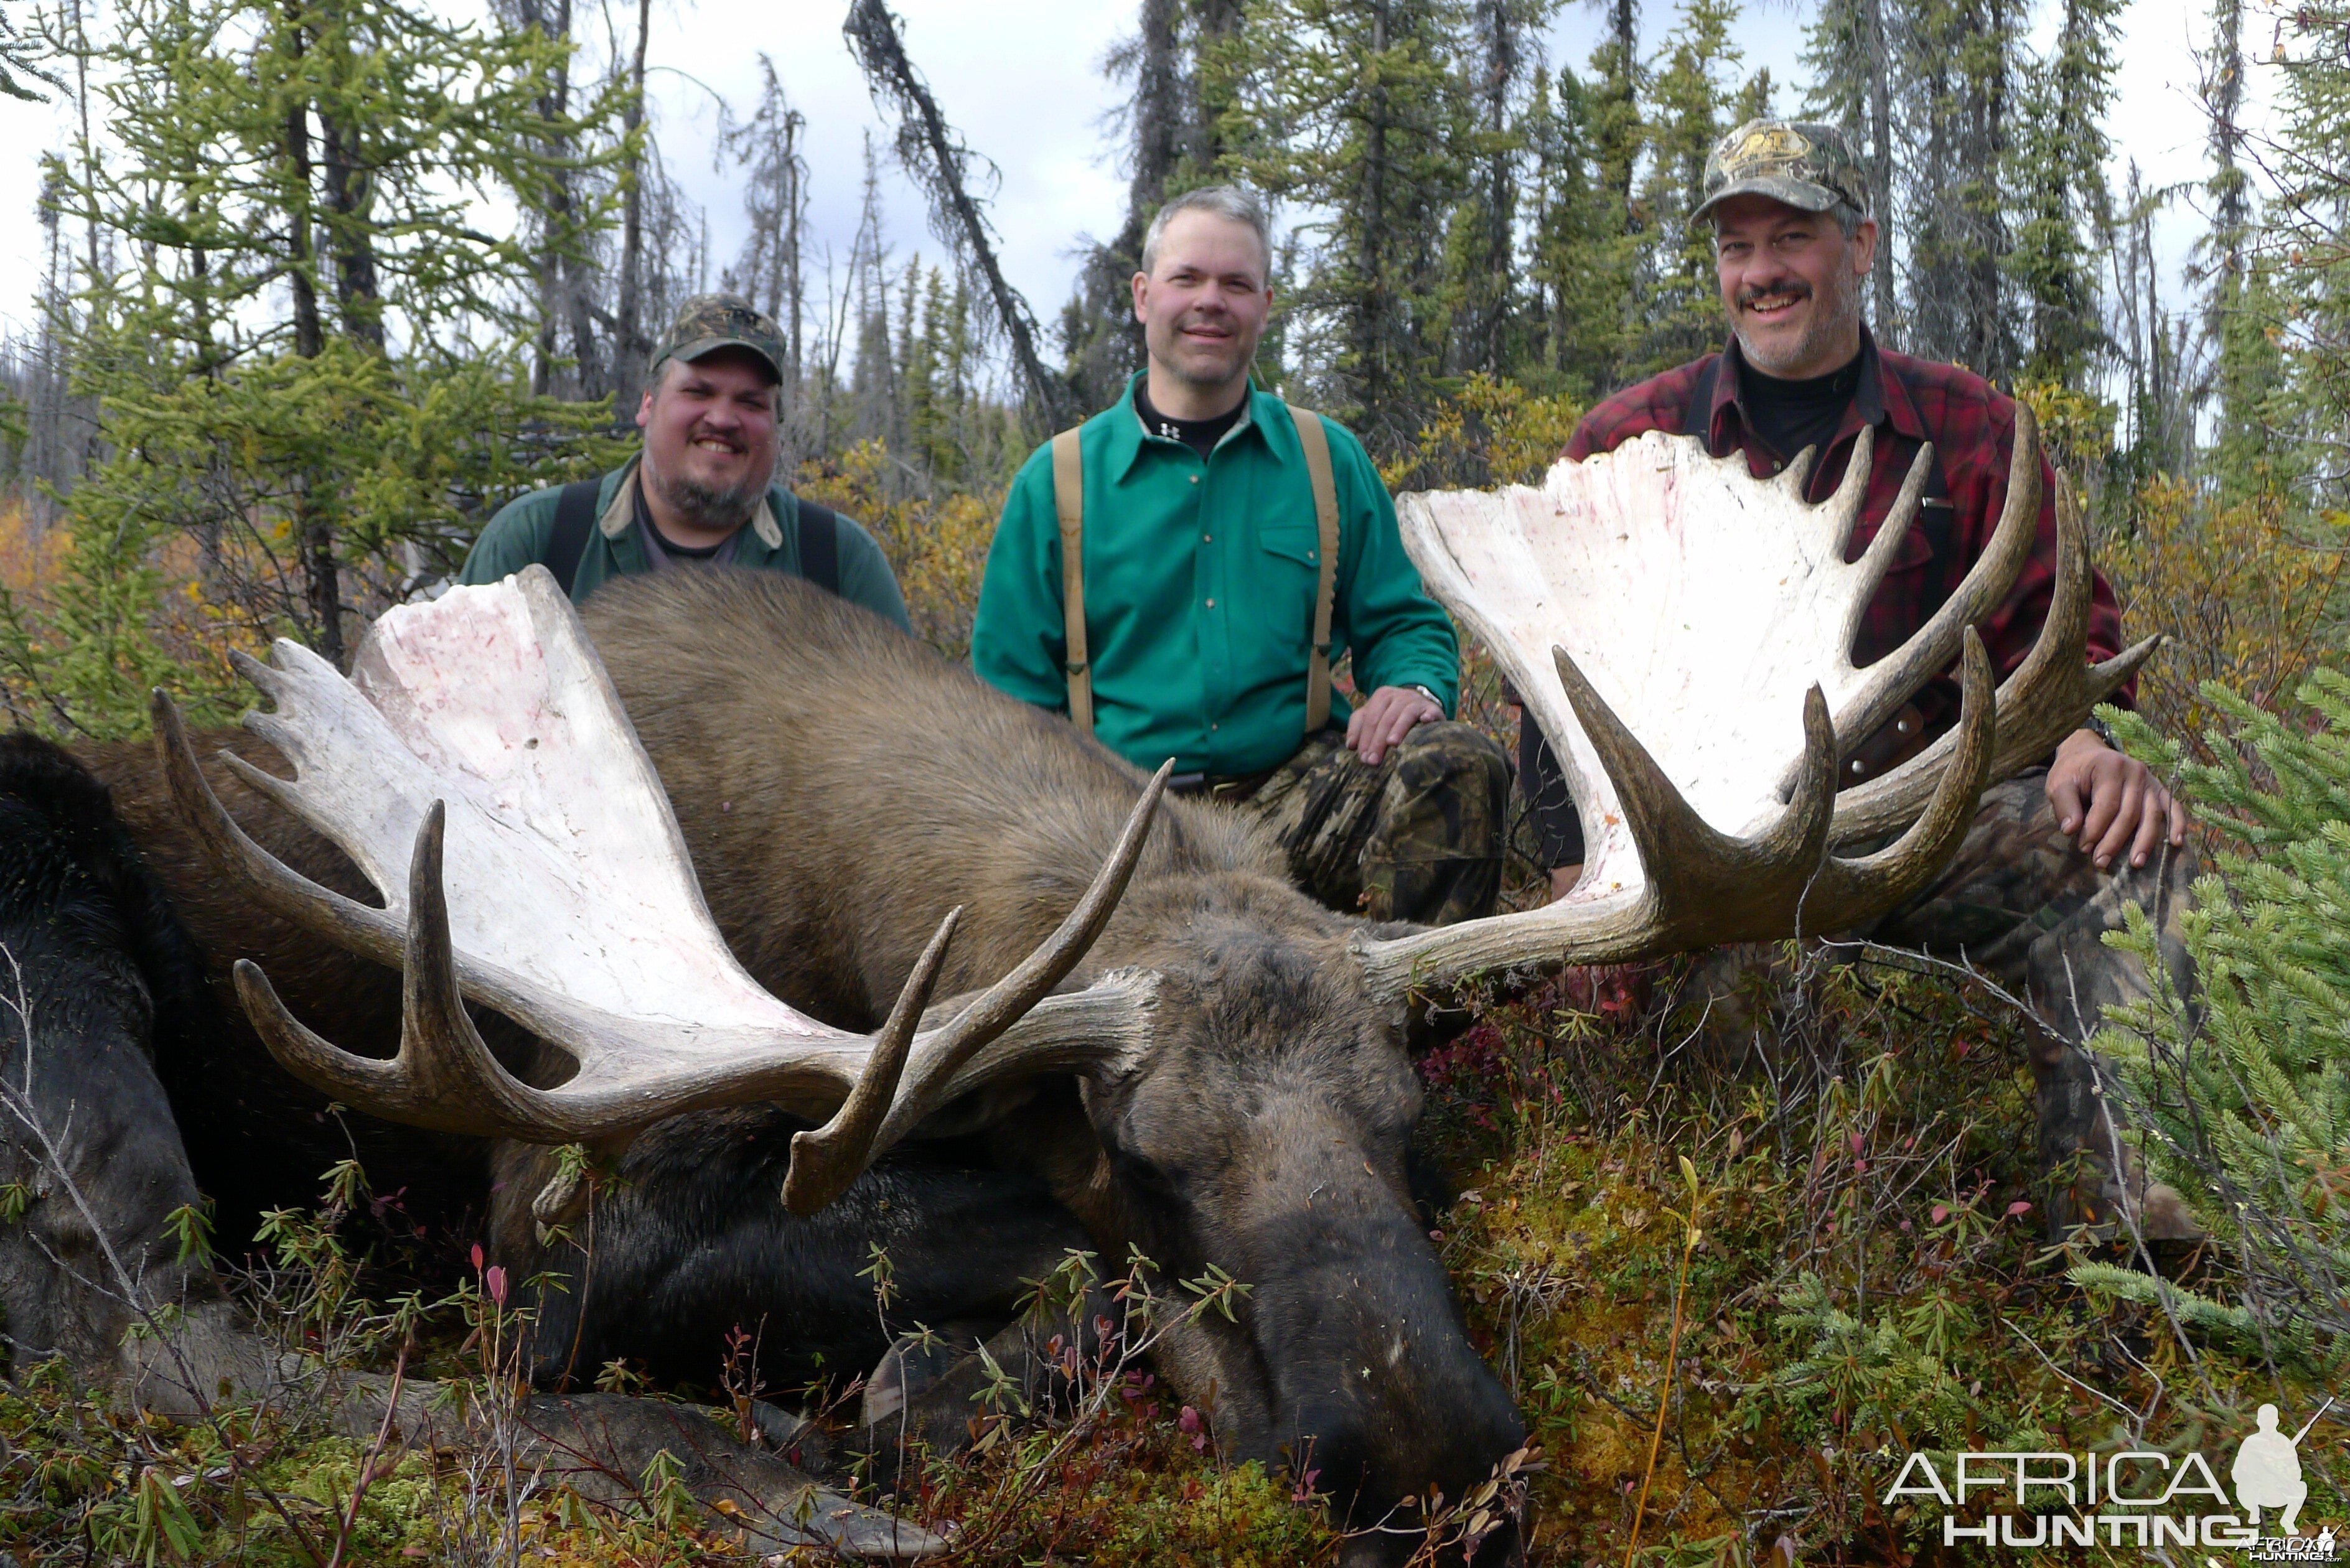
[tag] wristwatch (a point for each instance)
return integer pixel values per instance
(1432, 696)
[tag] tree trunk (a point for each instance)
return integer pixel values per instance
(302, 276)
(1879, 66)
(1374, 337)
(563, 283)
(629, 355)
(2224, 99)
(794, 204)
(1218, 20)
(314, 533)
(930, 151)
(1491, 288)
(357, 290)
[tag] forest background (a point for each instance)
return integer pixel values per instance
(323, 283)
(321, 288)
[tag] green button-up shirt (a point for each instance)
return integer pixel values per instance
(523, 529)
(1199, 583)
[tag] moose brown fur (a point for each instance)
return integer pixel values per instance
(841, 787)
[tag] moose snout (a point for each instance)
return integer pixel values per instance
(1377, 1390)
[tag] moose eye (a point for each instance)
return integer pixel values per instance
(1138, 1171)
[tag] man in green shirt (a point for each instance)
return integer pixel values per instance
(1200, 572)
(704, 488)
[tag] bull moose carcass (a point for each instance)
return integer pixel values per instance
(1221, 1079)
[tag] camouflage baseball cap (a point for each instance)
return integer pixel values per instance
(708, 322)
(1801, 162)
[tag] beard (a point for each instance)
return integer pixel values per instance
(706, 505)
(1831, 318)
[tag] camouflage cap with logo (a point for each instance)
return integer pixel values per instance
(708, 322)
(1803, 164)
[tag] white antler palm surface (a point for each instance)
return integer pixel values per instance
(1701, 604)
(482, 729)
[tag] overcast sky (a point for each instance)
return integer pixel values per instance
(1031, 96)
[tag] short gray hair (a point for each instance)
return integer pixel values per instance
(1225, 202)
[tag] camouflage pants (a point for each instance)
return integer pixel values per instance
(1417, 837)
(2025, 907)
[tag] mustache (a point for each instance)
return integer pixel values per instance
(1793, 289)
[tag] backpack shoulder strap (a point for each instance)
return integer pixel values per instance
(1314, 439)
(574, 517)
(1069, 505)
(820, 545)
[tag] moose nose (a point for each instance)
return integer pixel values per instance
(1379, 1389)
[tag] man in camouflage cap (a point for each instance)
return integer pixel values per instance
(2057, 853)
(704, 490)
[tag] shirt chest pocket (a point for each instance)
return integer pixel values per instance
(1287, 566)
(1291, 542)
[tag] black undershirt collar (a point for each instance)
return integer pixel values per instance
(1790, 415)
(1200, 435)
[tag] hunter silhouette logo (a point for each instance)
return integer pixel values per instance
(2267, 1472)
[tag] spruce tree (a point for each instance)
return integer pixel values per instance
(306, 358)
(2248, 1092)
(1360, 109)
(2057, 185)
(1961, 60)
(1580, 256)
(1693, 84)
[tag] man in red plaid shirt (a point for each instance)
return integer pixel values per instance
(2058, 852)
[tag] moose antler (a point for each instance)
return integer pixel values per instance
(1661, 590)
(2042, 702)
(484, 721)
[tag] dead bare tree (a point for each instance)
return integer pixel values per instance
(634, 344)
(939, 162)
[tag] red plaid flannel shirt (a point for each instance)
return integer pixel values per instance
(1910, 402)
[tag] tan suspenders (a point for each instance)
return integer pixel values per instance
(1315, 439)
(1069, 502)
(1069, 505)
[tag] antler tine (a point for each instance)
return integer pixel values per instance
(283, 892)
(1666, 829)
(1877, 559)
(1933, 648)
(939, 1057)
(1721, 887)
(266, 677)
(444, 1075)
(828, 1159)
(2051, 694)
(2045, 699)
(1842, 508)
(1798, 473)
(1849, 891)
